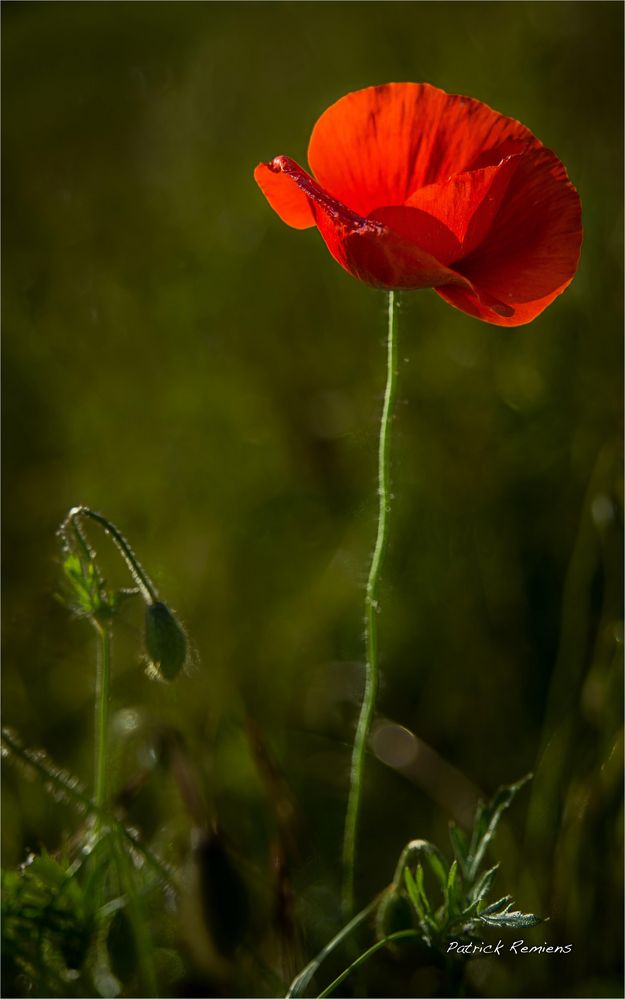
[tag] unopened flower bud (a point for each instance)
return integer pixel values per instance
(394, 914)
(165, 642)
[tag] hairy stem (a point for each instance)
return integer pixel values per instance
(371, 611)
(68, 788)
(138, 573)
(102, 692)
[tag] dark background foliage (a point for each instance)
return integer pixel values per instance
(177, 358)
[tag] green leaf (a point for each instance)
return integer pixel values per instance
(84, 585)
(415, 898)
(511, 920)
(416, 893)
(413, 894)
(486, 821)
(451, 880)
(481, 889)
(480, 824)
(460, 845)
(421, 889)
(47, 922)
(453, 902)
(497, 906)
(438, 865)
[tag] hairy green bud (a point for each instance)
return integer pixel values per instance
(165, 642)
(393, 914)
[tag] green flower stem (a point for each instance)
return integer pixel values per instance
(69, 789)
(371, 606)
(102, 694)
(138, 573)
(400, 935)
(301, 981)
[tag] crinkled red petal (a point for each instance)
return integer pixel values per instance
(531, 250)
(493, 310)
(369, 249)
(377, 146)
(468, 203)
(289, 200)
(421, 228)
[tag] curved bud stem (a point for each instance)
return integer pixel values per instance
(143, 582)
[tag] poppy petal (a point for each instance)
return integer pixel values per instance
(468, 202)
(370, 250)
(492, 156)
(417, 188)
(496, 312)
(422, 228)
(286, 198)
(531, 251)
(377, 146)
(376, 254)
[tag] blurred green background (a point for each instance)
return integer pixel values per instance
(178, 359)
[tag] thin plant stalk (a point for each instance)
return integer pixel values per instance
(68, 788)
(400, 935)
(301, 981)
(371, 612)
(102, 694)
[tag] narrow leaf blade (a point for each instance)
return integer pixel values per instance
(460, 845)
(497, 906)
(511, 920)
(486, 821)
(482, 888)
(438, 865)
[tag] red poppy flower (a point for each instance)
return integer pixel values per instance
(416, 188)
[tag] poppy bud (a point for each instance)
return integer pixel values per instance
(165, 642)
(394, 914)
